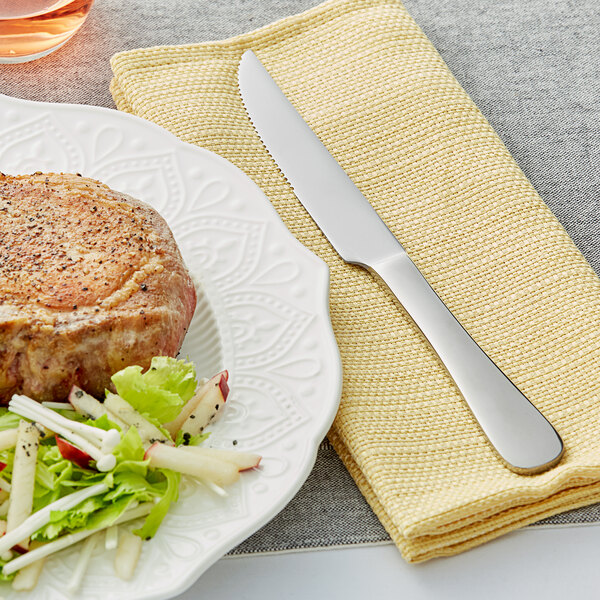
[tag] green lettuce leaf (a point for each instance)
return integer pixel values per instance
(4, 577)
(107, 515)
(160, 509)
(131, 483)
(8, 420)
(69, 520)
(8, 458)
(161, 391)
(129, 453)
(56, 477)
(102, 422)
(172, 374)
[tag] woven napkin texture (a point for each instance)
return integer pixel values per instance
(367, 80)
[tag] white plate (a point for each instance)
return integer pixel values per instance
(264, 317)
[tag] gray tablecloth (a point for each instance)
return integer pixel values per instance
(531, 67)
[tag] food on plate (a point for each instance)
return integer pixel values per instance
(20, 501)
(91, 281)
(202, 407)
(71, 473)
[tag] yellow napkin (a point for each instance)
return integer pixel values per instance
(374, 89)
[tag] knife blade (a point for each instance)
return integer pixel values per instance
(522, 437)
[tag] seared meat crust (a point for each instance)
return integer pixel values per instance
(91, 281)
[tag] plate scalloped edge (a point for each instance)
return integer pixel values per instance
(264, 315)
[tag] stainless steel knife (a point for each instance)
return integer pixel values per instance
(520, 434)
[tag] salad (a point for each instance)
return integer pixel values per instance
(78, 470)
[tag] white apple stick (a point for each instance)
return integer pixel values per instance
(83, 561)
(27, 578)
(188, 408)
(5, 486)
(23, 480)
(128, 554)
(124, 411)
(112, 417)
(89, 407)
(68, 540)
(112, 537)
(85, 404)
(243, 460)
(167, 457)
(71, 430)
(42, 516)
(208, 407)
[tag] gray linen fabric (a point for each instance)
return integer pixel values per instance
(328, 511)
(531, 67)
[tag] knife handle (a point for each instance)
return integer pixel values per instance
(520, 434)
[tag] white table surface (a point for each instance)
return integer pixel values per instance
(549, 563)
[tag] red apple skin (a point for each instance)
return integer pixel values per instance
(2, 466)
(224, 387)
(220, 380)
(72, 453)
(72, 393)
(253, 466)
(150, 450)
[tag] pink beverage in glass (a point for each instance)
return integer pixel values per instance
(30, 29)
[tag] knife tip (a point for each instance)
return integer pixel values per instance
(247, 55)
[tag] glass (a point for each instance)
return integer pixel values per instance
(30, 29)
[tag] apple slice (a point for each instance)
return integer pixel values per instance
(23, 478)
(208, 407)
(26, 579)
(111, 537)
(85, 404)
(179, 459)
(73, 453)
(91, 408)
(127, 555)
(124, 411)
(174, 426)
(242, 460)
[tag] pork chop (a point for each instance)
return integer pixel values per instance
(91, 281)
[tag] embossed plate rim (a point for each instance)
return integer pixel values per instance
(321, 294)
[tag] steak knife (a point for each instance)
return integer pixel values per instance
(522, 437)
